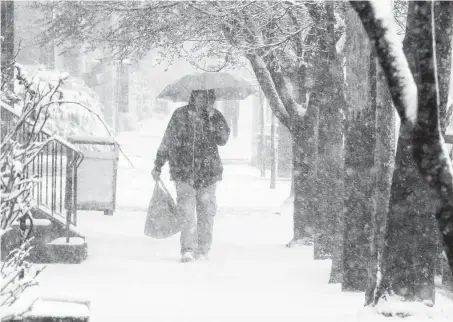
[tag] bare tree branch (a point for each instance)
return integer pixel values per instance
(100, 118)
(265, 79)
(392, 60)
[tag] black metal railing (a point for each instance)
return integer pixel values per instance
(54, 163)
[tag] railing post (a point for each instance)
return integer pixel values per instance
(74, 194)
(69, 193)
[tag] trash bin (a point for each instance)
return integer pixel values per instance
(97, 174)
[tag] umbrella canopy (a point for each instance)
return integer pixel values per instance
(226, 86)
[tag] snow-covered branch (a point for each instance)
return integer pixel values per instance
(267, 84)
(100, 118)
(294, 110)
(377, 19)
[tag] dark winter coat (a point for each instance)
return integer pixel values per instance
(190, 145)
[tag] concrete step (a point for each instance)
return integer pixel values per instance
(58, 310)
(63, 251)
(53, 252)
(48, 244)
(42, 234)
(59, 223)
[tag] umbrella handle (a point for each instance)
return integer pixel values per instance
(163, 186)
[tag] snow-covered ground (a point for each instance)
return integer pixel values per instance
(250, 276)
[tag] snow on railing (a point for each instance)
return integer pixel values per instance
(54, 164)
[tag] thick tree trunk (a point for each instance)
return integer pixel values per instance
(305, 157)
(443, 20)
(300, 91)
(338, 76)
(329, 183)
(326, 205)
(329, 196)
(410, 240)
(304, 175)
(359, 189)
(359, 160)
(421, 120)
(336, 272)
(430, 152)
(384, 164)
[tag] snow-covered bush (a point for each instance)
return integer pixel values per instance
(17, 275)
(68, 119)
(18, 149)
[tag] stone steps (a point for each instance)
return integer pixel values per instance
(57, 310)
(49, 243)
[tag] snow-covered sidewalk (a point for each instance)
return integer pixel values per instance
(251, 275)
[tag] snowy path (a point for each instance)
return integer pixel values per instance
(251, 275)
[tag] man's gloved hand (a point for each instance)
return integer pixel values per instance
(155, 174)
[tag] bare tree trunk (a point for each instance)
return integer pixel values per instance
(7, 44)
(305, 157)
(295, 124)
(447, 276)
(323, 241)
(7, 57)
(429, 150)
(410, 247)
(443, 14)
(384, 164)
(443, 20)
(304, 175)
(410, 240)
(336, 273)
(359, 160)
(329, 197)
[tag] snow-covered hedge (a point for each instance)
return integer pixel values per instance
(67, 119)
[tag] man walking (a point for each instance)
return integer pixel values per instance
(190, 145)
